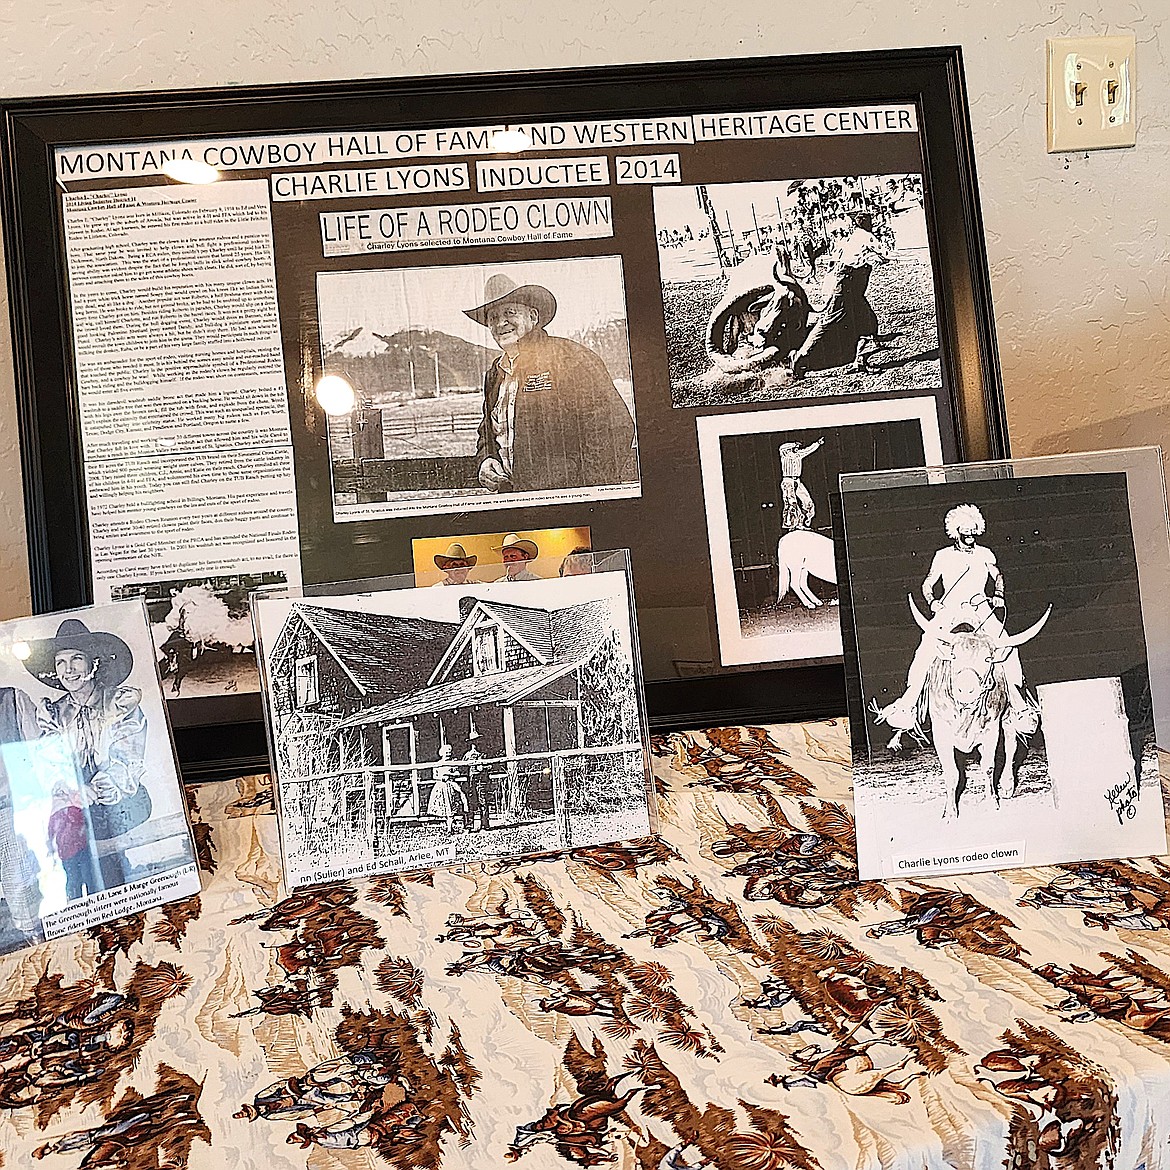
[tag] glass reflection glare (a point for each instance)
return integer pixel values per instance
(508, 141)
(335, 395)
(190, 170)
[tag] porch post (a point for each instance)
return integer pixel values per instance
(560, 803)
(368, 797)
(511, 783)
(414, 792)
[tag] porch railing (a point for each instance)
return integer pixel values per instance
(498, 790)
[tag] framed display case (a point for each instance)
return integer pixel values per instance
(291, 333)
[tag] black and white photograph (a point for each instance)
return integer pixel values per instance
(1001, 707)
(417, 728)
(92, 820)
(202, 631)
(798, 289)
(479, 386)
(767, 477)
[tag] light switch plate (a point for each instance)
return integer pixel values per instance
(1091, 84)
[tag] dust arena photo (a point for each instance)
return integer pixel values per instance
(801, 289)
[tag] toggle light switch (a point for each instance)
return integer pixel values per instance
(1091, 82)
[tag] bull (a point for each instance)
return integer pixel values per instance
(761, 321)
(967, 699)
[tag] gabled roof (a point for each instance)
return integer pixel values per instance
(381, 653)
(578, 628)
(505, 687)
(552, 636)
(531, 627)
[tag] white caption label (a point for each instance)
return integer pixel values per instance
(521, 174)
(354, 184)
(648, 168)
(1009, 856)
(525, 221)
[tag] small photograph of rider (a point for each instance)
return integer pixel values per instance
(202, 630)
(801, 288)
(774, 572)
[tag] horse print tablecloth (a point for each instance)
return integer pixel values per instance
(725, 995)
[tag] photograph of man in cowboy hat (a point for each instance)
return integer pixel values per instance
(552, 417)
(493, 386)
(456, 564)
(101, 720)
(77, 693)
(516, 552)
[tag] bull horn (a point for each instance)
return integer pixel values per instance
(1027, 635)
(917, 615)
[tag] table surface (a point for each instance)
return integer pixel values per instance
(727, 995)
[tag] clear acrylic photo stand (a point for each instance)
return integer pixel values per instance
(93, 817)
(414, 728)
(1007, 650)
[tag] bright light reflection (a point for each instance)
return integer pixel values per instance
(335, 395)
(21, 650)
(508, 141)
(190, 170)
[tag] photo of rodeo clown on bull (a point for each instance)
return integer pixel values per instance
(999, 688)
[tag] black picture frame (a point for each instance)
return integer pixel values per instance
(223, 736)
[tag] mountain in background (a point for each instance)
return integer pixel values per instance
(379, 366)
(359, 342)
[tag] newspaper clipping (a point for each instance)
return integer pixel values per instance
(480, 386)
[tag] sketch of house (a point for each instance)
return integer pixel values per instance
(532, 712)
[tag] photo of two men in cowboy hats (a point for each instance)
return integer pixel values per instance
(500, 556)
(515, 553)
(495, 385)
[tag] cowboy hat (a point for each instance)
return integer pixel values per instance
(501, 290)
(528, 547)
(456, 557)
(110, 654)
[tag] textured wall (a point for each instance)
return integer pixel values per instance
(1078, 244)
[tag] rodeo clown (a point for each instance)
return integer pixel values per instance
(972, 595)
(552, 417)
